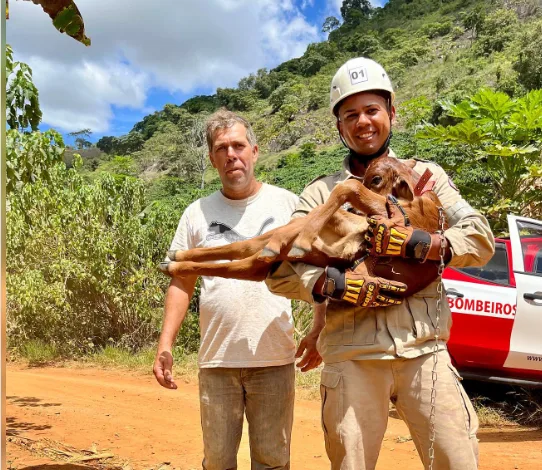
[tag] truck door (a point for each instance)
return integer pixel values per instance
(483, 303)
(525, 342)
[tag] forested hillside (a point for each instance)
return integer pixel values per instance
(85, 235)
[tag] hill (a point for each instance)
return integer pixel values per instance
(433, 51)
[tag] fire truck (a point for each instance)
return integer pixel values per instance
(497, 310)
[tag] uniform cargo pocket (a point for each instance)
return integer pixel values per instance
(471, 420)
(422, 307)
(423, 324)
(350, 326)
(331, 395)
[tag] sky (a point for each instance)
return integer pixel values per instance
(142, 58)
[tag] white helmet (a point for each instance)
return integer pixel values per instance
(357, 75)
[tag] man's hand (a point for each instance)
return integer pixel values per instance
(307, 348)
(358, 287)
(163, 365)
(394, 236)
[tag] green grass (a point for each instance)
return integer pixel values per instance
(308, 384)
(113, 356)
(37, 352)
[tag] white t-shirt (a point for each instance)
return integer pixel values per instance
(241, 323)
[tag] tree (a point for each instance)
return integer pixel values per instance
(330, 24)
(354, 10)
(236, 100)
(196, 149)
(266, 82)
(497, 30)
(29, 155)
(247, 83)
(81, 137)
(81, 143)
(472, 20)
(529, 64)
(162, 152)
(107, 143)
(22, 97)
(505, 135)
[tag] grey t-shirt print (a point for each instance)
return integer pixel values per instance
(218, 230)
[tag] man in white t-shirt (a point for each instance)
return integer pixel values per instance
(247, 351)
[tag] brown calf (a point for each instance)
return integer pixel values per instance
(328, 235)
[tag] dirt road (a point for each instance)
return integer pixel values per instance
(146, 426)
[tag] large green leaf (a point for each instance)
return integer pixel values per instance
(66, 18)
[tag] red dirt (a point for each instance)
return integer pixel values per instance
(146, 426)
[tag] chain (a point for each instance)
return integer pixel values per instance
(440, 288)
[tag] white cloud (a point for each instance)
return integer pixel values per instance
(80, 97)
(173, 44)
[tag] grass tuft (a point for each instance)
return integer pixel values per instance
(38, 353)
(499, 404)
(308, 384)
(488, 415)
(114, 356)
(184, 366)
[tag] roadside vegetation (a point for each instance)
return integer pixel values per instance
(87, 225)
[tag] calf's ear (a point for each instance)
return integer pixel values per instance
(402, 189)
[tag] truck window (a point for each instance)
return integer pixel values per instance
(531, 246)
(538, 263)
(496, 270)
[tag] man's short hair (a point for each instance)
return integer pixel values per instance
(224, 119)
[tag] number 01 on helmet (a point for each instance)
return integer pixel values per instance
(356, 76)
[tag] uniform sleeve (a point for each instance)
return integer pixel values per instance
(296, 280)
(469, 234)
(313, 195)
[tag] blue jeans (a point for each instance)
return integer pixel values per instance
(266, 395)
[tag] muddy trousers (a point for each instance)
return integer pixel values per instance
(266, 395)
(355, 407)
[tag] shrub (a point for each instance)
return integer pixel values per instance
(433, 30)
(82, 262)
(529, 64)
(496, 31)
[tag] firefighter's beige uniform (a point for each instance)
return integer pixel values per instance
(373, 355)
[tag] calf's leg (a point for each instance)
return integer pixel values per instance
(248, 269)
(351, 191)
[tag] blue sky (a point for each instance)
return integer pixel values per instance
(142, 58)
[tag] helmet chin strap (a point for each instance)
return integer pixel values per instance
(366, 158)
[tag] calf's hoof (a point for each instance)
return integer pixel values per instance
(171, 254)
(297, 252)
(164, 267)
(267, 254)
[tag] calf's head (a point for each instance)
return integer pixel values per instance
(386, 175)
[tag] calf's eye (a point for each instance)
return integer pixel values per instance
(376, 180)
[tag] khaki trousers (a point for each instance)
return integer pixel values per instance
(266, 395)
(355, 407)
